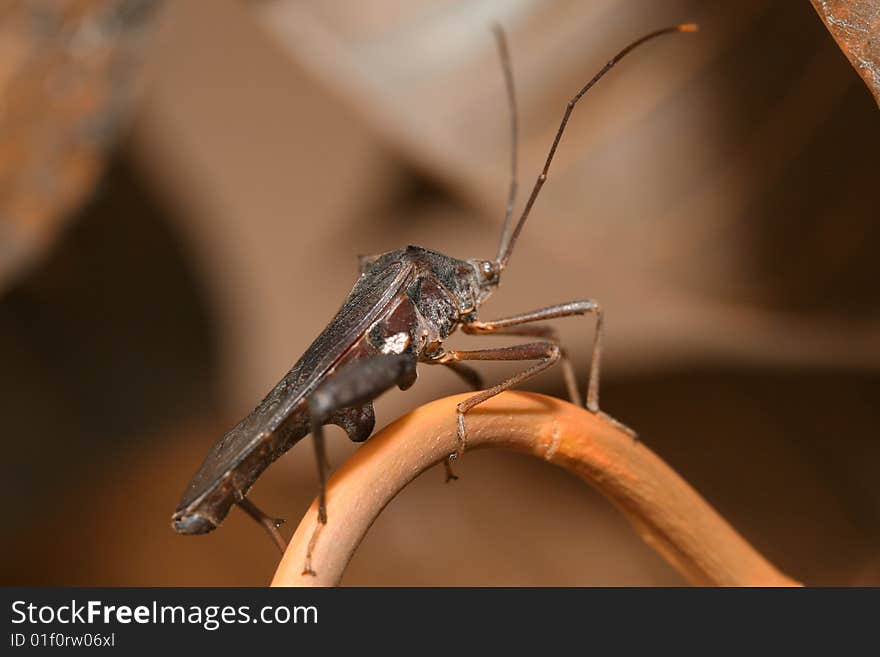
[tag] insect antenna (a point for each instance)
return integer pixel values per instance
(508, 241)
(507, 68)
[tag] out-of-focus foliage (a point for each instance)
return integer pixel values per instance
(67, 72)
(855, 25)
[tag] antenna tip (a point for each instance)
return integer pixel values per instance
(689, 27)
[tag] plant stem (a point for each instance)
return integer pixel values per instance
(663, 508)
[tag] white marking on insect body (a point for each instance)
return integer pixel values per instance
(396, 343)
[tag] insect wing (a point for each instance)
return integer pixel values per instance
(369, 298)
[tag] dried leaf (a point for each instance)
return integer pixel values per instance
(67, 73)
(855, 25)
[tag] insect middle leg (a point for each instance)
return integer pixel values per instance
(467, 374)
(547, 353)
(513, 325)
(550, 334)
(518, 325)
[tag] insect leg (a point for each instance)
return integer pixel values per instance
(354, 384)
(553, 312)
(268, 522)
(550, 334)
(546, 353)
(473, 378)
(513, 324)
(468, 374)
(321, 461)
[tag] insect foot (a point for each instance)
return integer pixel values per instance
(618, 424)
(462, 433)
(307, 566)
(461, 436)
(447, 464)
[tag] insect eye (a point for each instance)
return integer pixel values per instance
(489, 270)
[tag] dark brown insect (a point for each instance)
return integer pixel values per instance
(402, 308)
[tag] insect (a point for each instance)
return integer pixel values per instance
(403, 306)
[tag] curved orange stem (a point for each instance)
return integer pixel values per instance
(664, 509)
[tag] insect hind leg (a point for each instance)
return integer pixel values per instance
(269, 523)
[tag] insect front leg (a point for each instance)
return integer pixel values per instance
(505, 326)
(467, 374)
(517, 325)
(547, 353)
(352, 386)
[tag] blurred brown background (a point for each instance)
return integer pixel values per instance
(186, 186)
